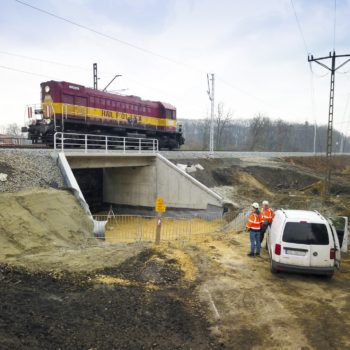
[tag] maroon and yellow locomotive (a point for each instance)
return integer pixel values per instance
(69, 107)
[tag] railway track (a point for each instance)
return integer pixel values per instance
(29, 146)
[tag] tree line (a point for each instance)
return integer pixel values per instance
(259, 134)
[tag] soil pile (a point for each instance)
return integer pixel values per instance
(38, 220)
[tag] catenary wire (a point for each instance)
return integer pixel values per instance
(139, 48)
(25, 72)
(334, 23)
(299, 27)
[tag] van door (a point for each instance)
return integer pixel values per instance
(295, 249)
(337, 253)
(341, 226)
(321, 243)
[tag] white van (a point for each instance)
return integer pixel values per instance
(304, 241)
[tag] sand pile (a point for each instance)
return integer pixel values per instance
(38, 220)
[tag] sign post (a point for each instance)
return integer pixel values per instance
(160, 208)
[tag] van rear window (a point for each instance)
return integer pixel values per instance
(305, 233)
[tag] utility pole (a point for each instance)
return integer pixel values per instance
(315, 135)
(211, 79)
(332, 56)
(95, 75)
(341, 148)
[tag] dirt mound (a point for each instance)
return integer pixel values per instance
(281, 179)
(80, 311)
(319, 164)
(39, 220)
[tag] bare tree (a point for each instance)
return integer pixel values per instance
(13, 129)
(258, 130)
(223, 119)
(205, 126)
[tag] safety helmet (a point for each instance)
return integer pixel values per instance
(265, 203)
(255, 205)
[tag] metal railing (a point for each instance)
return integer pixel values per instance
(13, 140)
(135, 228)
(105, 143)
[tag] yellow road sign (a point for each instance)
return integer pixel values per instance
(160, 205)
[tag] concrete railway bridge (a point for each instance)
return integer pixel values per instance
(129, 174)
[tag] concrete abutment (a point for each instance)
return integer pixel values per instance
(132, 182)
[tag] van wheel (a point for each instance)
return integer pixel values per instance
(272, 268)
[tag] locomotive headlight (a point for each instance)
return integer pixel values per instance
(47, 88)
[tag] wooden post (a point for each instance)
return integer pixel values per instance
(159, 226)
(160, 208)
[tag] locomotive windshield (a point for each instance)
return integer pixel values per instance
(170, 114)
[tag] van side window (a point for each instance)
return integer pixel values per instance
(305, 233)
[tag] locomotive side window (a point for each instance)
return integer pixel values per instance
(81, 101)
(92, 100)
(113, 104)
(103, 102)
(68, 99)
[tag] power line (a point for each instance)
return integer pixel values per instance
(107, 36)
(75, 67)
(334, 23)
(25, 72)
(299, 27)
(139, 48)
(43, 60)
(316, 74)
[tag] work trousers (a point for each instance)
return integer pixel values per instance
(255, 244)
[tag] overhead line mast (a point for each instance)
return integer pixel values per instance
(211, 79)
(95, 75)
(332, 56)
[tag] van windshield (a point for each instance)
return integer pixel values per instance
(305, 233)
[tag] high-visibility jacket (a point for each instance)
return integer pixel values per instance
(255, 221)
(267, 214)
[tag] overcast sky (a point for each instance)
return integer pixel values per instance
(254, 48)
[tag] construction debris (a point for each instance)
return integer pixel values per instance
(3, 177)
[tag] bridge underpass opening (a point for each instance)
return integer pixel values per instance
(91, 184)
(124, 182)
(130, 190)
(131, 183)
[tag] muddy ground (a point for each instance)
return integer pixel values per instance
(253, 309)
(207, 295)
(60, 289)
(144, 303)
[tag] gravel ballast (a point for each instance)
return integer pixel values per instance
(28, 168)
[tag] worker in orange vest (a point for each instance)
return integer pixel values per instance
(268, 216)
(254, 225)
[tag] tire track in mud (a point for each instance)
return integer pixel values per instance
(261, 310)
